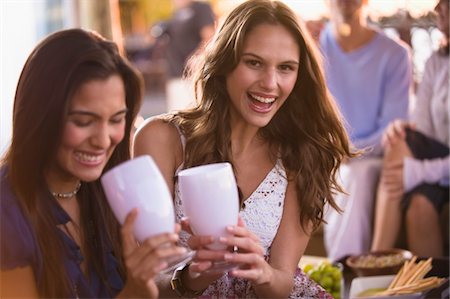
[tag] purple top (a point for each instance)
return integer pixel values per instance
(19, 248)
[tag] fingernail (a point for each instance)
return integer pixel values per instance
(230, 228)
(228, 256)
(223, 239)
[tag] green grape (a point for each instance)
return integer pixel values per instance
(327, 275)
(307, 268)
(336, 273)
(314, 275)
(336, 295)
(336, 285)
(327, 282)
(323, 266)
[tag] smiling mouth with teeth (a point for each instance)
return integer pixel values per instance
(88, 158)
(262, 99)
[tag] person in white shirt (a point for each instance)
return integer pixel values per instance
(415, 176)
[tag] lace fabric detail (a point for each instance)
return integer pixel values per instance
(263, 209)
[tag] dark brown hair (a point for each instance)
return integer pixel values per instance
(56, 68)
(307, 129)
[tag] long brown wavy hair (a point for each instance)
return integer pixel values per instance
(308, 128)
(56, 68)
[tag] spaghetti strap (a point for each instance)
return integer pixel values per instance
(183, 144)
(182, 138)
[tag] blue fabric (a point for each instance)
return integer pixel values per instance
(19, 248)
(370, 84)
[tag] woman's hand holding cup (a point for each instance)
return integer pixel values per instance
(142, 203)
(249, 254)
(210, 199)
(145, 260)
(205, 257)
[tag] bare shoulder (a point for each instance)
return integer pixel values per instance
(159, 138)
(156, 134)
(157, 127)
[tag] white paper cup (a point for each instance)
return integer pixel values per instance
(210, 199)
(138, 183)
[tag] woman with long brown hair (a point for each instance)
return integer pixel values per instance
(74, 108)
(264, 107)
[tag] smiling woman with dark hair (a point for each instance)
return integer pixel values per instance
(74, 108)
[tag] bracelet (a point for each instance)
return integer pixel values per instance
(179, 288)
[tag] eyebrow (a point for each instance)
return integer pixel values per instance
(260, 58)
(88, 113)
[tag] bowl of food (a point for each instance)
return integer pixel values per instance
(384, 262)
(410, 282)
(372, 287)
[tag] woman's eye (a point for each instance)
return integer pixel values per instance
(253, 63)
(286, 68)
(118, 120)
(81, 122)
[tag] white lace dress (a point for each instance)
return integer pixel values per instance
(261, 213)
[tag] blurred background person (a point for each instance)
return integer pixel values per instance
(188, 30)
(315, 28)
(370, 76)
(415, 176)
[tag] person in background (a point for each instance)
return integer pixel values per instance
(191, 26)
(370, 76)
(315, 28)
(74, 108)
(415, 175)
(264, 107)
